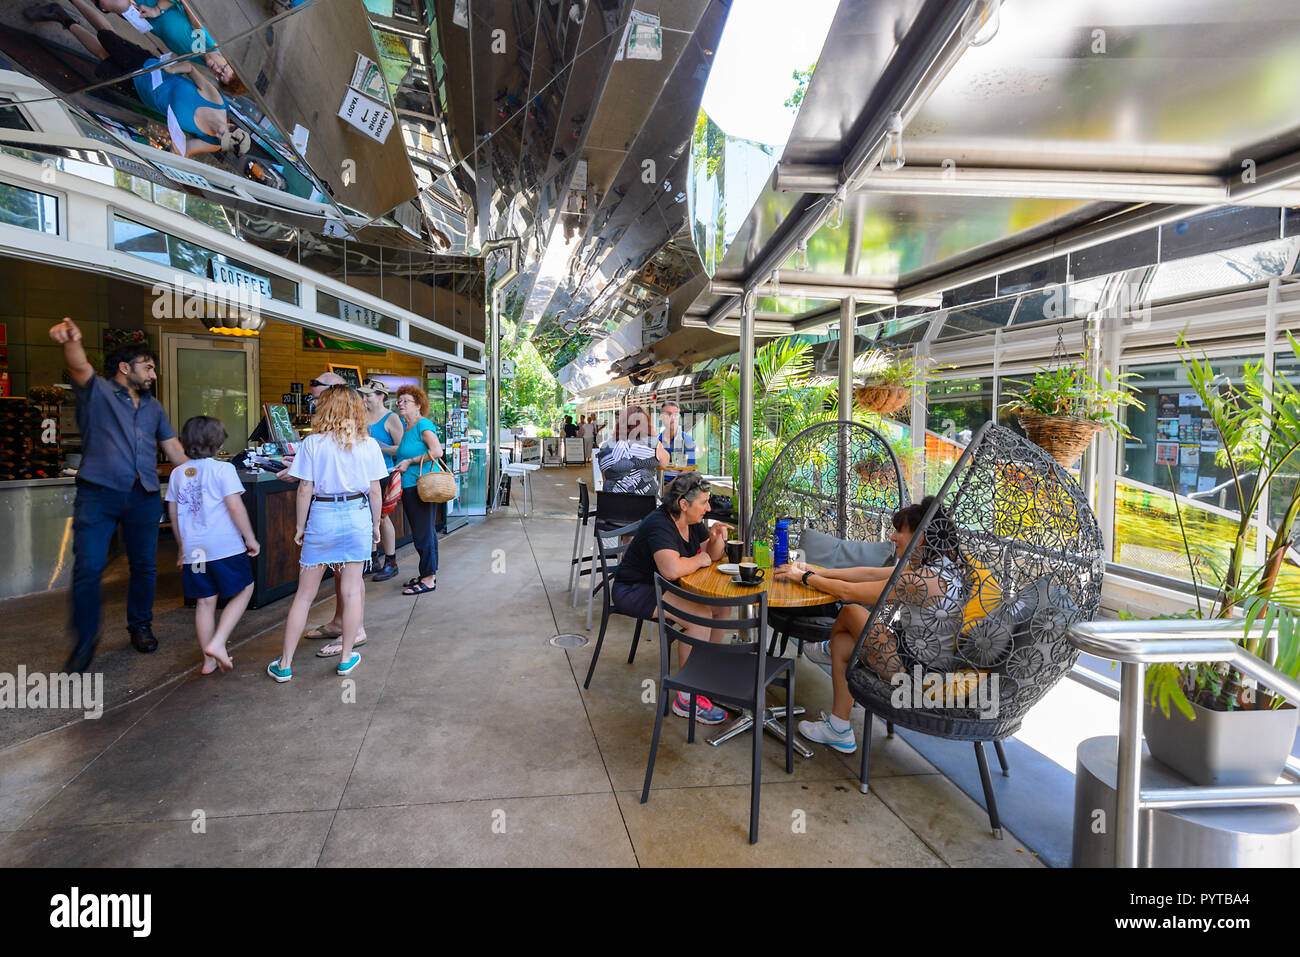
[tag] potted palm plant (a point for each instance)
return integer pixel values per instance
(1063, 407)
(1220, 730)
(888, 380)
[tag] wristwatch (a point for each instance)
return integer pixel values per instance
(804, 580)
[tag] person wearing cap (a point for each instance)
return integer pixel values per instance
(167, 87)
(386, 429)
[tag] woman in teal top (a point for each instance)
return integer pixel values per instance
(174, 23)
(386, 429)
(415, 453)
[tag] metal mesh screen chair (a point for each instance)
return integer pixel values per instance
(840, 478)
(977, 614)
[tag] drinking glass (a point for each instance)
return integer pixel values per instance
(762, 555)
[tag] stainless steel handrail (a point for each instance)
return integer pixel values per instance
(1137, 644)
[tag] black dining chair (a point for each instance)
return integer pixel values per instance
(734, 674)
(610, 547)
(613, 510)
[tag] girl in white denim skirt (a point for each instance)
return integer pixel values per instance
(339, 468)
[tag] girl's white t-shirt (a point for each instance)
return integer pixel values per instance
(320, 460)
(206, 530)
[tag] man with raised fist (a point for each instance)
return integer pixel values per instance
(122, 427)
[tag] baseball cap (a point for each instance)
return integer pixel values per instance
(372, 386)
(236, 141)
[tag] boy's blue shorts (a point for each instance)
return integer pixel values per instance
(224, 577)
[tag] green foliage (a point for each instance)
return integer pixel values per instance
(1070, 391)
(531, 398)
(801, 80)
(785, 403)
(887, 368)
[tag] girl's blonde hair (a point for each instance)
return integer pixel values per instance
(341, 414)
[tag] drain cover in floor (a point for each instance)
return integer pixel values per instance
(569, 641)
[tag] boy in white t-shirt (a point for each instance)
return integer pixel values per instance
(204, 499)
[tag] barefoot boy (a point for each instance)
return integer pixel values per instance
(204, 498)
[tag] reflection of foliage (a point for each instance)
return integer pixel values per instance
(801, 80)
(531, 398)
(706, 145)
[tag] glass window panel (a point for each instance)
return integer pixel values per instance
(1173, 450)
(29, 209)
(424, 337)
(955, 410)
(11, 118)
(1218, 229)
(1221, 270)
(983, 318)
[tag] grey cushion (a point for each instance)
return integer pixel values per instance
(831, 552)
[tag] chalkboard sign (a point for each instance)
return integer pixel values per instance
(351, 374)
(282, 430)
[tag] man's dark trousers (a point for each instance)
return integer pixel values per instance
(97, 512)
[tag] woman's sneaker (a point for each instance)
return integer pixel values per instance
(818, 652)
(705, 712)
(347, 667)
(822, 733)
(279, 674)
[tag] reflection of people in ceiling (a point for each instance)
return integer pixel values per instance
(197, 105)
(178, 28)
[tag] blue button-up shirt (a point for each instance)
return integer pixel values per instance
(119, 442)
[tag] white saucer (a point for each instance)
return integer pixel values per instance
(728, 569)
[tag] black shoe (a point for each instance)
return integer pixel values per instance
(50, 13)
(386, 572)
(79, 660)
(143, 639)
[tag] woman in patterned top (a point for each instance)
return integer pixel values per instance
(628, 460)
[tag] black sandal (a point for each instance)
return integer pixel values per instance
(412, 583)
(420, 588)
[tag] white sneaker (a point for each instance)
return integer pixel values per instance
(817, 652)
(822, 733)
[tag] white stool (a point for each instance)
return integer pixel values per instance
(523, 471)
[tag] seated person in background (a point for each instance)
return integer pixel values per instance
(934, 570)
(628, 461)
(673, 541)
(677, 444)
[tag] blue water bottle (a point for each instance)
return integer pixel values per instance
(781, 546)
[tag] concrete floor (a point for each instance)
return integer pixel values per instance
(470, 741)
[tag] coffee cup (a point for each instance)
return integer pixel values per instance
(735, 551)
(796, 555)
(750, 573)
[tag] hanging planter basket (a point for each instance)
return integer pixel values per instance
(1062, 437)
(882, 399)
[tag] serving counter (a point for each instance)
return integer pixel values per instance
(38, 555)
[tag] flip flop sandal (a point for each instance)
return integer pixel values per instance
(324, 631)
(420, 588)
(333, 651)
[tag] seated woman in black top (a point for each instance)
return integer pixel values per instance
(673, 541)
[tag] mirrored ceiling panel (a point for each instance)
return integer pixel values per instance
(324, 86)
(157, 82)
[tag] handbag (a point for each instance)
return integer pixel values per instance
(392, 495)
(437, 486)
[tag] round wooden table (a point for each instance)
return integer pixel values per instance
(712, 583)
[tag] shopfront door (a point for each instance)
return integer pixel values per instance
(212, 376)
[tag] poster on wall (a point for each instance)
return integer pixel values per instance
(1167, 407)
(1166, 453)
(1191, 455)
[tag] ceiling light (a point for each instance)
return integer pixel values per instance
(981, 22)
(891, 156)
